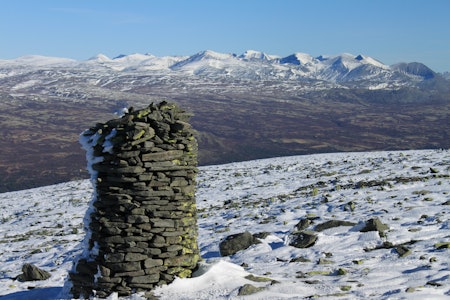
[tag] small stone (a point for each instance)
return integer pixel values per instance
(248, 289)
(323, 261)
(302, 224)
(350, 206)
(434, 283)
(341, 271)
(402, 251)
(300, 259)
(445, 245)
(257, 278)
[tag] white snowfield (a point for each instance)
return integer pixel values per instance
(407, 190)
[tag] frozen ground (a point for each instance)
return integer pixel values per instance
(408, 191)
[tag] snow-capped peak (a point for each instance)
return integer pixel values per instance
(39, 60)
(100, 58)
(135, 57)
(345, 69)
(298, 58)
(256, 55)
(208, 54)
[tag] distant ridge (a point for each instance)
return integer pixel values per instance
(346, 70)
(244, 106)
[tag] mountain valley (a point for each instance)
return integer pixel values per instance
(244, 107)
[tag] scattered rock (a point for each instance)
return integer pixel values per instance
(302, 224)
(375, 225)
(445, 245)
(300, 259)
(434, 170)
(402, 251)
(323, 261)
(332, 224)
(261, 235)
(237, 242)
(248, 289)
(350, 206)
(434, 283)
(303, 239)
(257, 278)
(341, 271)
(314, 281)
(32, 273)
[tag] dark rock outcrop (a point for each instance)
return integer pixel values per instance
(32, 273)
(237, 242)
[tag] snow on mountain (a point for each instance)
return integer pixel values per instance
(100, 58)
(257, 55)
(344, 70)
(299, 59)
(406, 190)
(37, 61)
(415, 69)
(205, 60)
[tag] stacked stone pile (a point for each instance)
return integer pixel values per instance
(142, 228)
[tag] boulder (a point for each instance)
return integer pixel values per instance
(303, 239)
(32, 273)
(375, 225)
(237, 242)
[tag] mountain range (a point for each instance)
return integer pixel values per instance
(326, 71)
(246, 106)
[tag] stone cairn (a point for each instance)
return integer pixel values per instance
(142, 224)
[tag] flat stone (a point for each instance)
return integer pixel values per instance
(162, 156)
(333, 223)
(135, 257)
(162, 223)
(129, 274)
(128, 154)
(151, 278)
(150, 262)
(124, 267)
(248, 289)
(115, 257)
(137, 219)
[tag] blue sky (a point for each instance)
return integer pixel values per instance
(389, 30)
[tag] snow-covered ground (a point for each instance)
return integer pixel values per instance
(408, 191)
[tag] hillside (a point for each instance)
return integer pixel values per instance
(244, 107)
(408, 191)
